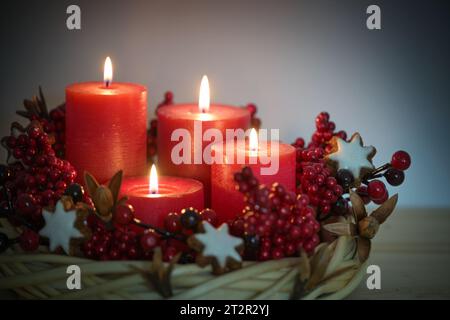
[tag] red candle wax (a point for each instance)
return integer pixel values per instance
(106, 128)
(173, 195)
(174, 117)
(227, 201)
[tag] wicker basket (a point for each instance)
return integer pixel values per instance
(43, 276)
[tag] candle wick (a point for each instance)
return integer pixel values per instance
(107, 83)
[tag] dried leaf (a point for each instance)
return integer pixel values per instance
(91, 183)
(359, 209)
(368, 227)
(103, 201)
(364, 246)
(42, 104)
(24, 114)
(29, 105)
(115, 183)
(341, 228)
(385, 210)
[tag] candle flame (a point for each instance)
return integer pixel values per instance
(204, 99)
(153, 181)
(107, 72)
(253, 143)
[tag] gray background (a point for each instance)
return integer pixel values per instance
(292, 58)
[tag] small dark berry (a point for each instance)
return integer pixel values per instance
(189, 218)
(345, 178)
(340, 207)
(394, 177)
(76, 191)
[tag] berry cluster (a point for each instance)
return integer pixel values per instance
(38, 177)
(275, 223)
(122, 242)
(373, 189)
(106, 244)
(56, 126)
(53, 122)
(313, 178)
(152, 131)
(325, 130)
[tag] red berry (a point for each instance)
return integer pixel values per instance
(376, 189)
(149, 240)
(295, 232)
(277, 253)
(169, 253)
(401, 160)
(18, 153)
(29, 240)
(172, 222)
(124, 214)
(25, 204)
(290, 249)
(363, 193)
(306, 231)
(383, 199)
(168, 97)
(209, 215)
(11, 142)
(264, 255)
(252, 108)
(133, 253)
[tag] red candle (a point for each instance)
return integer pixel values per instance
(154, 198)
(106, 127)
(227, 201)
(195, 119)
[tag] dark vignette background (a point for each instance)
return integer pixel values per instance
(292, 58)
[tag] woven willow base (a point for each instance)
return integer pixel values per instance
(43, 276)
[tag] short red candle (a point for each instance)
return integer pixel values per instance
(173, 117)
(106, 127)
(227, 201)
(174, 194)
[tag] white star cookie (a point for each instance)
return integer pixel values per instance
(353, 155)
(218, 247)
(60, 227)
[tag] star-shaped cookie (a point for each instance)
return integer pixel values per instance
(217, 247)
(352, 155)
(60, 227)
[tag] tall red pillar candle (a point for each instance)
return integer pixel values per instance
(106, 128)
(196, 121)
(173, 194)
(227, 201)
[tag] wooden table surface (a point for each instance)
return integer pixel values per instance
(412, 249)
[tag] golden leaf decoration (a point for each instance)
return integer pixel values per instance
(341, 228)
(364, 246)
(358, 207)
(385, 210)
